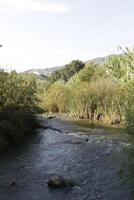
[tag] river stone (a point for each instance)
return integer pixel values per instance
(58, 182)
(13, 184)
(51, 117)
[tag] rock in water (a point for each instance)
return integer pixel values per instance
(13, 184)
(58, 182)
(51, 117)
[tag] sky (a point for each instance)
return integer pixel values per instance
(49, 33)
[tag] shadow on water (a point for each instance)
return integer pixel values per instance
(22, 144)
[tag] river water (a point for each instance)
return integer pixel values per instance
(91, 156)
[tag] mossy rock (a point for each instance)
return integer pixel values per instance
(59, 182)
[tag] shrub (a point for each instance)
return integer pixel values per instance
(130, 120)
(16, 122)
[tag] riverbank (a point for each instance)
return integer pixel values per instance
(17, 126)
(86, 122)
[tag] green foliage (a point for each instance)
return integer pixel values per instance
(129, 99)
(67, 72)
(130, 120)
(93, 98)
(18, 90)
(18, 106)
(91, 71)
(93, 91)
(115, 66)
(54, 98)
(16, 122)
(121, 67)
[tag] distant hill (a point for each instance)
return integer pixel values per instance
(99, 60)
(49, 71)
(45, 71)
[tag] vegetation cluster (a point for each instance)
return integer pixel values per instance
(91, 91)
(18, 107)
(86, 91)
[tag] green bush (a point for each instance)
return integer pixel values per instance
(130, 120)
(18, 107)
(16, 122)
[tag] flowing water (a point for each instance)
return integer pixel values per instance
(91, 156)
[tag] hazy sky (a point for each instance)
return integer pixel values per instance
(46, 33)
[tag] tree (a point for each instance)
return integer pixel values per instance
(91, 71)
(121, 67)
(67, 72)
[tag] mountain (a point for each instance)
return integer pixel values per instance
(99, 60)
(49, 71)
(45, 72)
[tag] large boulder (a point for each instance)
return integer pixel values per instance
(58, 182)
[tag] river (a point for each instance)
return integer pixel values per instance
(89, 155)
